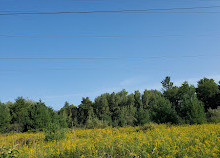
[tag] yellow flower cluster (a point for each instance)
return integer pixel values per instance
(157, 141)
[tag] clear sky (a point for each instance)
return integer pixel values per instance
(104, 35)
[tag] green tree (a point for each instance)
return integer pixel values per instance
(190, 109)
(4, 118)
(19, 114)
(114, 101)
(68, 114)
(138, 100)
(102, 110)
(166, 83)
(208, 92)
(39, 116)
(85, 111)
(148, 96)
(142, 116)
(172, 95)
(161, 110)
(130, 110)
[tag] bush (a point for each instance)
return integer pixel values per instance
(96, 123)
(54, 132)
(16, 127)
(142, 116)
(213, 115)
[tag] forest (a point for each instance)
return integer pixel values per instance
(185, 104)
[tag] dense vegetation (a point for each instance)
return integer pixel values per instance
(177, 105)
(148, 141)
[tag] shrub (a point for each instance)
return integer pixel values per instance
(54, 132)
(96, 123)
(213, 115)
(16, 127)
(142, 116)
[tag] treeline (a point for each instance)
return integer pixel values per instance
(183, 104)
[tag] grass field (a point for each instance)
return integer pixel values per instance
(149, 141)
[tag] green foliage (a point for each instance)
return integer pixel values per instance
(184, 104)
(173, 95)
(213, 115)
(102, 109)
(190, 109)
(161, 111)
(208, 92)
(19, 114)
(68, 114)
(137, 100)
(142, 116)
(96, 123)
(4, 118)
(54, 132)
(39, 116)
(166, 83)
(114, 107)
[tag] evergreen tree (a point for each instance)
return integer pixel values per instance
(4, 118)
(190, 109)
(39, 117)
(167, 84)
(19, 114)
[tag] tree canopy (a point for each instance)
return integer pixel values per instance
(174, 104)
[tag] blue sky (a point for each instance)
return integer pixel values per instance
(92, 35)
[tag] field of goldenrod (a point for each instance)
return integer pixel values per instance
(149, 141)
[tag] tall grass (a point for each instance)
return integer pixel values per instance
(149, 141)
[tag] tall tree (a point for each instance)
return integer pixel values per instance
(19, 114)
(4, 118)
(131, 110)
(114, 101)
(85, 110)
(166, 83)
(69, 114)
(161, 110)
(190, 109)
(172, 95)
(208, 92)
(102, 108)
(138, 99)
(39, 117)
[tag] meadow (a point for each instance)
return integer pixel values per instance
(151, 140)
